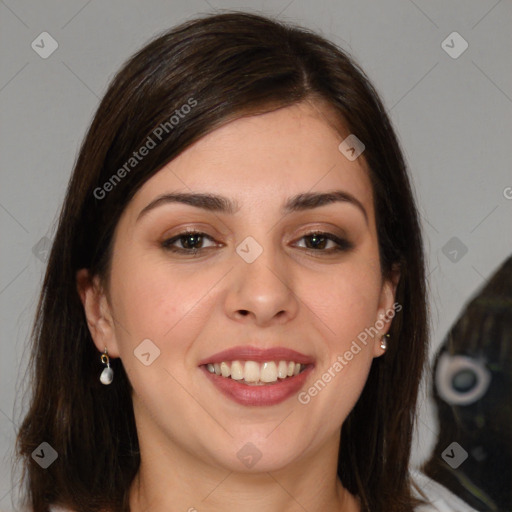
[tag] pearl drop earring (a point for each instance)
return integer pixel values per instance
(107, 375)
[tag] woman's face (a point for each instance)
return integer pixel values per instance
(259, 286)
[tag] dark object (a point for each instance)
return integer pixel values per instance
(473, 394)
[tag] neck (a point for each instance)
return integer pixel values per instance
(170, 478)
(271, 492)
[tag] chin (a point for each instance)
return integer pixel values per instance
(256, 454)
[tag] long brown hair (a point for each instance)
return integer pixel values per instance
(230, 65)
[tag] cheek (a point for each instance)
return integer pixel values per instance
(346, 301)
(160, 312)
(156, 301)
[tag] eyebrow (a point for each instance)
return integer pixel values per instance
(221, 204)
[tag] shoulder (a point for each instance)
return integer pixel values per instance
(58, 508)
(439, 497)
(51, 508)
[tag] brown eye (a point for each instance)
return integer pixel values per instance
(319, 242)
(191, 242)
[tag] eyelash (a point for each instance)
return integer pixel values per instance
(343, 245)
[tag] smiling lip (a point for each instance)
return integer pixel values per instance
(248, 353)
(268, 394)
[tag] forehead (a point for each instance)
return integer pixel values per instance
(261, 160)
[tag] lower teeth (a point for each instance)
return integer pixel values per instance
(259, 383)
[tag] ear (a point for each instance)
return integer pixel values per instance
(98, 312)
(387, 308)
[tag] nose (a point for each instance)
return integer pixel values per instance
(262, 292)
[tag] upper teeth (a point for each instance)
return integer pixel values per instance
(252, 371)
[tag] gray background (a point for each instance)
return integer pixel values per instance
(453, 118)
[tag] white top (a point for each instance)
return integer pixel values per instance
(441, 499)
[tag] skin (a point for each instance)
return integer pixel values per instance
(190, 307)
